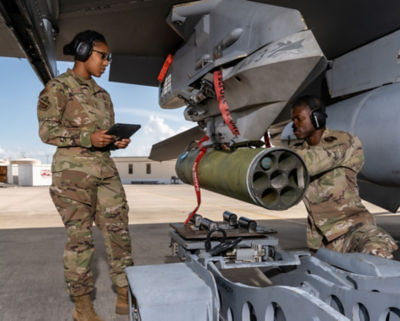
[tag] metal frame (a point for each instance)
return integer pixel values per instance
(302, 287)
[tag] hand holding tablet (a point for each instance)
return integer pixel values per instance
(121, 131)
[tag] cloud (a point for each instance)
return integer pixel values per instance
(11, 154)
(44, 154)
(154, 130)
(157, 128)
(149, 113)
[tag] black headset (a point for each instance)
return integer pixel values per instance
(83, 49)
(318, 115)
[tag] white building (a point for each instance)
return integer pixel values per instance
(142, 170)
(34, 175)
(28, 172)
(132, 170)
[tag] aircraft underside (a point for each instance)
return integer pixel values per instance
(236, 66)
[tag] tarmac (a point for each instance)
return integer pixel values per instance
(32, 239)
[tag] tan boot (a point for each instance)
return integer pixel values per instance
(84, 310)
(122, 306)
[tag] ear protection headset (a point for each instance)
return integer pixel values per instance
(83, 49)
(318, 115)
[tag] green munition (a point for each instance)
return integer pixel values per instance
(273, 178)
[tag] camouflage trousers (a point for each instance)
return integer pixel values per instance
(81, 200)
(362, 238)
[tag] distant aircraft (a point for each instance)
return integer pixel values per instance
(261, 54)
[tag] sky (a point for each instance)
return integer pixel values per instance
(19, 91)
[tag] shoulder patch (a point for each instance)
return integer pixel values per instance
(330, 139)
(43, 103)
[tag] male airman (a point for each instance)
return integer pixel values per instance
(337, 219)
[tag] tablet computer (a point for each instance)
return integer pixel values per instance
(123, 130)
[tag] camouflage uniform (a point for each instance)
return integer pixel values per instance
(337, 219)
(86, 187)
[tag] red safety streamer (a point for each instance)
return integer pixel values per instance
(266, 140)
(223, 105)
(195, 177)
(165, 67)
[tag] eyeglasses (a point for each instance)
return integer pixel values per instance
(104, 55)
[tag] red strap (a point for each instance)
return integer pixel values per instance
(195, 177)
(267, 141)
(164, 69)
(223, 105)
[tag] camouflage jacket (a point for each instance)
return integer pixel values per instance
(70, 109)
(332, 199)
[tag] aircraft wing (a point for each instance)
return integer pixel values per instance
(170, 148)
